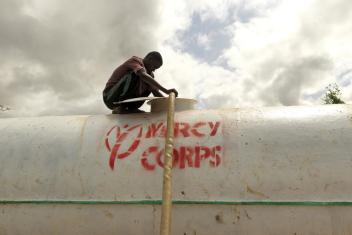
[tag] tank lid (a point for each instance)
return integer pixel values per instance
(181, 104)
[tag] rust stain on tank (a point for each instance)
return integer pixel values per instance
(257, 193)
(85, 119)
(108, 214)
(219, 218)
(247, 215)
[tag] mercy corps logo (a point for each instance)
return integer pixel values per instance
(123, 141)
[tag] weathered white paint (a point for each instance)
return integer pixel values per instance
(190, 220)
(267, 154)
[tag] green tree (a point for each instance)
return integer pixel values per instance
(332, 95)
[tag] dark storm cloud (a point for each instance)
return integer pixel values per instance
(71, 52)
(286, 87)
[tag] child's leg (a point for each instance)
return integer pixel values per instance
(118, 92)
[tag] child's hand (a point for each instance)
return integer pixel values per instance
(172, 90)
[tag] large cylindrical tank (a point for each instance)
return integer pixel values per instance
(279, 170)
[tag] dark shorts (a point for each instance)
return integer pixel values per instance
(126, 88)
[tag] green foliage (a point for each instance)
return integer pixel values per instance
(332, 95)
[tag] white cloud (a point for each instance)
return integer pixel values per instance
(285, 53)
(204, 41)
(55, 56)
(296, 48)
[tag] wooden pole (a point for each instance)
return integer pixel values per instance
(165, 225)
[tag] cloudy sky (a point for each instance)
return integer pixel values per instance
(56, 55)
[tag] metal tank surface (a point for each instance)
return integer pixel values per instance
(274, 170)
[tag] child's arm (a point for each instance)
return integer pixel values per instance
(154, 84)
(157, 93)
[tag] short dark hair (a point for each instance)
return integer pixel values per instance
(155, 56)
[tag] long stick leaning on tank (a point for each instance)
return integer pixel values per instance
(165, 224)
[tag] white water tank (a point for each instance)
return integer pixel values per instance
(279, 170)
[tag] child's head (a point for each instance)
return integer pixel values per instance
(152, 61)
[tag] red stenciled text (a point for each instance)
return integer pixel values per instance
(183, 156)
